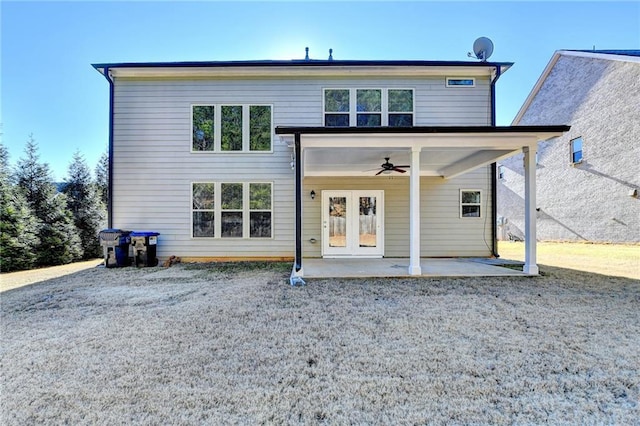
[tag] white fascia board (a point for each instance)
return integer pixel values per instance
(299, 71)
(514, 140)
(604, 56)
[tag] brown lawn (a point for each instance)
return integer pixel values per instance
(229, 344)
(608, 259)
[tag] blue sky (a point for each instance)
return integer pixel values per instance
(49, 88)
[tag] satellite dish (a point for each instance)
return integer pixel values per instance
(482, 49)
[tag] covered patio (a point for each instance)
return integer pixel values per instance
(390, 267)
(438, 151)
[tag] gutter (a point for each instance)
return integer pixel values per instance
(494, 173)
(107, 75)
(297, 266)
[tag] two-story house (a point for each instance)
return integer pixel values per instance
(313, 158)
(588, 178)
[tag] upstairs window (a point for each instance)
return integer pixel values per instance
(400, 107)
(470, 203)
(336, 107)
(576, 150)
(368, 107)
(231, 128)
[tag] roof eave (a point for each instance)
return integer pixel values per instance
(295, 67)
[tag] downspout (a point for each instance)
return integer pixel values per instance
(110, 164)
(494, 167)
(295, 279)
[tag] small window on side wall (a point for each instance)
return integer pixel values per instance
(461, 82)
(470, 203)
(576, 150)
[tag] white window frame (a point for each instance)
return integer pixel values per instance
(465, 86)
(217, 132)
(572, 150)
(246, 211)
(353, 103)
(471, 204)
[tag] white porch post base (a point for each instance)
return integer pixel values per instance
(414, 214)
(530, 269)
(530, 237)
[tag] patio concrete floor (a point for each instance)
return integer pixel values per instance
(399, 267)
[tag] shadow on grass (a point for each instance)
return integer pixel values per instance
(234, 267)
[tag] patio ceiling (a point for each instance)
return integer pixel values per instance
(445, 151)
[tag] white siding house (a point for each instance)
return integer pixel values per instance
(588, 178)
(284, 159)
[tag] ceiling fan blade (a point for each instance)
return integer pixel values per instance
(396, 169)
(379, 172)
(406, 166)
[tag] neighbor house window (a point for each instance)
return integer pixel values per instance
(231, 128)
(240, 209)
(576, 150)
(368, 107)
(501, 172)
(470, 203)
(460, 82)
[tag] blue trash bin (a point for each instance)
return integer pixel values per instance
(144, 248)
(115, 244)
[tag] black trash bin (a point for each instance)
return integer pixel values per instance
(115, 245)
(144, 248)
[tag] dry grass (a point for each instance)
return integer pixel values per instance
(621, 260)
(224, 344)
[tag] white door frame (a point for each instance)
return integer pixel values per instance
(352, 247)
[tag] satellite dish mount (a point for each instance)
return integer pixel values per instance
(482, 49)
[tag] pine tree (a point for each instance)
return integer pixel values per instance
(59, 240)
(102, 177)
(18, 225)
(85, 204)
(34, 178)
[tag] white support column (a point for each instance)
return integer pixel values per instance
(414, 214)
(530, 253)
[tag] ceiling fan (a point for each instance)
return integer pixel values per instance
(388, 167)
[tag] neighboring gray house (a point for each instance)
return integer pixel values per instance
(288, 159)
(588, 178)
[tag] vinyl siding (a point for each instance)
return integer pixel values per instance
(154, 166)
(443, 232)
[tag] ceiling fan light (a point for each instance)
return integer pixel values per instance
(386, 172)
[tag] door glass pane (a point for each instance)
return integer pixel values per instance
(337, 221)
(368, 224)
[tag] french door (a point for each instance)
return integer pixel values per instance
(352, 223)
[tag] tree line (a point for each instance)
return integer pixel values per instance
(42, 224)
